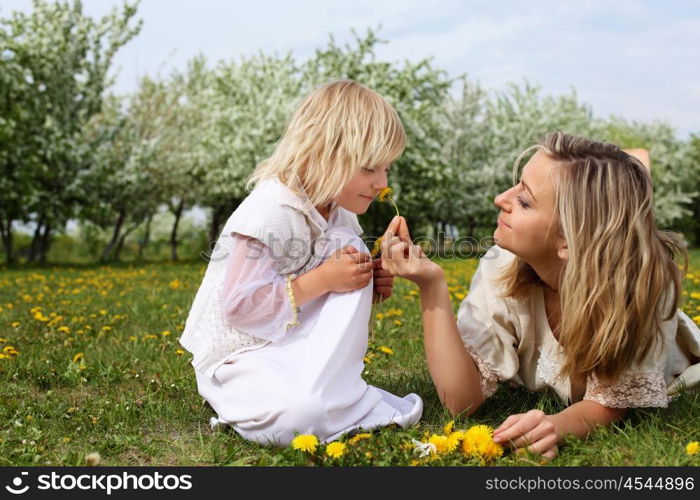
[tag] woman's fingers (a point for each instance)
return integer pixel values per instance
(544, 429)
(403, 230)
(522, 426)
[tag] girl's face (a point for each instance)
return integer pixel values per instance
(359, 193)
(527, 224)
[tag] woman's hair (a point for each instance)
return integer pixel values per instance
(620, 278)
(339, 128)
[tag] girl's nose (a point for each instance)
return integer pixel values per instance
(381, 182)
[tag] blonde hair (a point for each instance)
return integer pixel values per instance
(338, 129)
(620, 274)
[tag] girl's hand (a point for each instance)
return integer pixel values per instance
(533, 430)
(383, 282)
(346, 270)
(402, 258)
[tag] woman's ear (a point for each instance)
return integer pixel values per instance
(563, 250)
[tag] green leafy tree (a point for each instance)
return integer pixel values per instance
(55, 61)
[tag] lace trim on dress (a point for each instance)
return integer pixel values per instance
(629, 391)
(488, 378)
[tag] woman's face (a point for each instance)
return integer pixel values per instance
(527, 224)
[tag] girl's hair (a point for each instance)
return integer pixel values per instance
(620, 273)
(339, 128)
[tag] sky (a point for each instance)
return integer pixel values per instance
(636, 59)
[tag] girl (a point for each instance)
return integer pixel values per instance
(580, 295)
(278, 327)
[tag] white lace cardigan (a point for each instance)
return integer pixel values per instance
(290, 227)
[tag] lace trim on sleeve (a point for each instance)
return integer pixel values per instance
(629, 391)
(488, 378)
(292, 302)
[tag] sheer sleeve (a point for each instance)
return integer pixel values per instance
(488, 334)
(255, 298)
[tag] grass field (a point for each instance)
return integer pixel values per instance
(91, 364)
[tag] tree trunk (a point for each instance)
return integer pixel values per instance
(173, 233)
(123, 237)
(146, 237)
(6, 234)
(44, 243)
(109, 249)
(36, 239)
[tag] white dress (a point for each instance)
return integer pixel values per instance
(307, 380)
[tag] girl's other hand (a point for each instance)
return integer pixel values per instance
(346, 270)
(383, 281)
(534, 430)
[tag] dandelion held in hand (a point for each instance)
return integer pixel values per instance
(386, 195)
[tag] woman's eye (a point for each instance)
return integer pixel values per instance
(523, 203)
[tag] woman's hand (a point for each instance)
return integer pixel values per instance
(402, 258)
(383, 282)
(533, 430)
(346, 270)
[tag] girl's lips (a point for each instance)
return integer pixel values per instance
(367, 197)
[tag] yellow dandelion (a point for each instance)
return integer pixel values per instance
(77, 357)
(386, 350)
(440, 443)
(695, 295)
(448, 428)
(10, 351)
(106, 328)
(335, 449)
(165, 333)
(697, 319)
(366, 360)
(2, 340)
(380, 316)
(453, 440)
(64, 329)
(398, 322)
(15, 324)
(477, 441)
(459, 296)
(305, 442)
(377, 247)
(692, 448)
(359, 437)
(386, 195)
(179, 352)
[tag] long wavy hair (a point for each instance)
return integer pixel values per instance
(339, 128)
(621, 278)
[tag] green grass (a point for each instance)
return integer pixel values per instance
(132, 397)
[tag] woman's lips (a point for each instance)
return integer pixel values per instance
(501, 223)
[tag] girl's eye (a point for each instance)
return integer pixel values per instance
(371, 170)
(523, 203)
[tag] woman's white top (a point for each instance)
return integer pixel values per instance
(510, 340)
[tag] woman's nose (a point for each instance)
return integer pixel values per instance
(501, 201)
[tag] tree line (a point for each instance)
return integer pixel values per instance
(70, 149)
